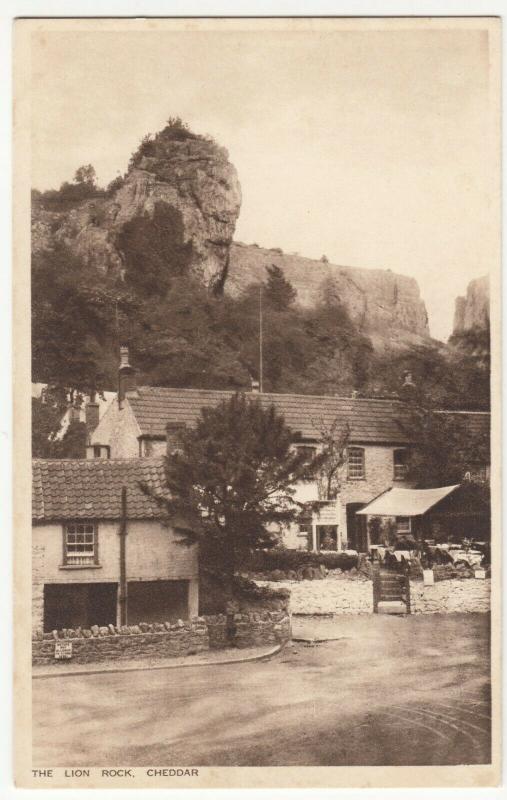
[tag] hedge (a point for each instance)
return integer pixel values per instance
(284, 559)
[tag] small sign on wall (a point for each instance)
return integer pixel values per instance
(328, 515)
(63, 650)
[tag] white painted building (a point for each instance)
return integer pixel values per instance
(98, 560)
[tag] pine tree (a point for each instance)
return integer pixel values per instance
(233, 482)
(279, 292)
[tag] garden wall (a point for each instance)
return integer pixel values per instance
(163, 640)
(341, 594)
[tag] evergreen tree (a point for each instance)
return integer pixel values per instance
(444, 448)
(233, 482)
(279, 292)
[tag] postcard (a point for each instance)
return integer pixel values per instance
(257, 418)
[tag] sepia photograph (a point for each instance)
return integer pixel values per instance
(257, 320)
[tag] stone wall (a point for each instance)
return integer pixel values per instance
(163, 640)
(335, 595)
(261, 628)
(453, 596)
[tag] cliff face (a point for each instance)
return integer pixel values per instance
(381, 303)
(191, 177)
(179, 202)
(472, 311)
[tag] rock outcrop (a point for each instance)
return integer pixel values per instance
(472, 311)
(181, 198)
(189, 175)
(381, 303)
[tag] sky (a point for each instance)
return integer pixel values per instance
(370, 146)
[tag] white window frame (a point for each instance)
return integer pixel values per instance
(356, 471)
(403, 528)
(80, 544)
(399, 470)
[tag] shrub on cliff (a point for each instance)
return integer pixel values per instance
(155, 250)
(279, 292)
(155, 146)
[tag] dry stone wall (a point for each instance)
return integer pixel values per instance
(342, 595)
(163, 640)
(447, 597)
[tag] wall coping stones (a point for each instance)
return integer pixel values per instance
(163, 639)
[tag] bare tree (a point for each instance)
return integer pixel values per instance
(334, 438)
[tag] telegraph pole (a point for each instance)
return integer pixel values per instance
(260, 338)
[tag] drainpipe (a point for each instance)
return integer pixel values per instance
(122, 597)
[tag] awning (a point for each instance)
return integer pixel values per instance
(406, 502)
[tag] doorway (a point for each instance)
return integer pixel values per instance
(157, 601)
(357, 535)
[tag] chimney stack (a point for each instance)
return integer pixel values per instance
(408, 388)
(173, 435)
(255, 386)
(126, 376)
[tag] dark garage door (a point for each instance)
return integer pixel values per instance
(79, 605)
(157, 601)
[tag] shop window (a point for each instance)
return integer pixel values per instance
(327, 537)
(403, 526)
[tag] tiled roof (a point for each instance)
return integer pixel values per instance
(370, 420)
(91, 489)
(478, 423)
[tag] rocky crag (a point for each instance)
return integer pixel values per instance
(381, 303)
(472, 311)
(191, 176)
(192, 180)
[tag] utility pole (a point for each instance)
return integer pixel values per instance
(260, 338)
(123, 593)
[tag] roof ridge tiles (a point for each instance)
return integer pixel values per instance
(161, 389)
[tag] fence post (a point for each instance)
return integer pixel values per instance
(407, 588)
(376, 588)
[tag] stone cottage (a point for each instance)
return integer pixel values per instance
(145, 421)
(102, 552)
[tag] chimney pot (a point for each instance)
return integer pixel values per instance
(126, 376)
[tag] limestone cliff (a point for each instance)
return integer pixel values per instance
(189, 175)
(472, 311)
(178, 204)
(381, 303)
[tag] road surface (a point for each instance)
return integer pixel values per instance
(412, 690)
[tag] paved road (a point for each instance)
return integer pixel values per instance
(392, 691)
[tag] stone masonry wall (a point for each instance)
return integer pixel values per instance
(346, 596)
(162, 640)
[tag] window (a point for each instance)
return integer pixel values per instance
(400, 464)
(403, 526)
(307, 450)
(356, 463)
(305, 535)
(327, 537)
(80, 544)
(101, 451)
